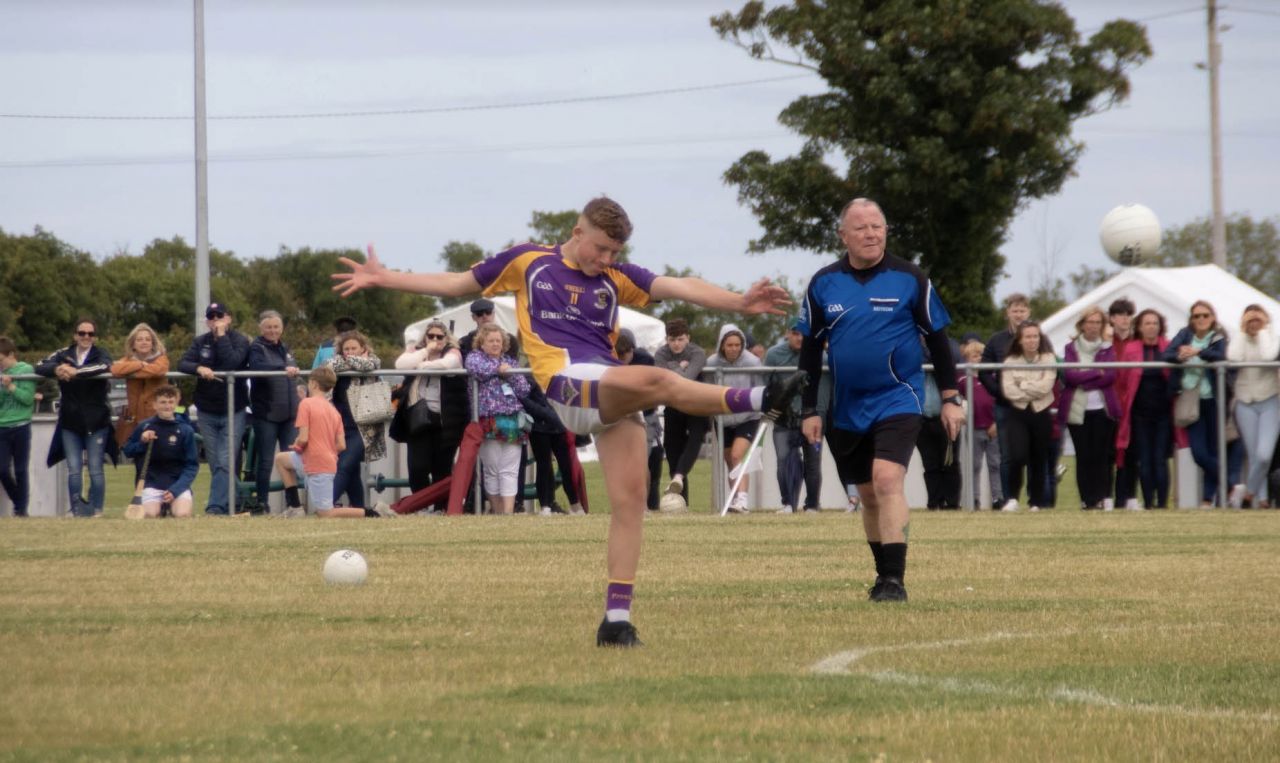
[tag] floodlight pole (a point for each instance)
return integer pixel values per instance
(202, 177)
(1218, 227)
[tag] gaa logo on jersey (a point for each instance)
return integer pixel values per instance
(543, 285)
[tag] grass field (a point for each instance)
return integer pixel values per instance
(1053, 636)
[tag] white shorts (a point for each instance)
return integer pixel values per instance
(156, 495)
(574, 393)
(500, 465)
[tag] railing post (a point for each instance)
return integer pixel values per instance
(1220, 402)
(233, 446)
(969, 490)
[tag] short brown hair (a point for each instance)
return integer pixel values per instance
(608, 215)
(1016, 298)
(7, 347)
(324, 377)
(347, 336)
(677, 327)
(168, 390)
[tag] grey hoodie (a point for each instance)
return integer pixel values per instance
(739, 380)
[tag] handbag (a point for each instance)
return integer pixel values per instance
(371, 402)
(1186, 408)
(422, 418)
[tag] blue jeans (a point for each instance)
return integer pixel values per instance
(1259, 425)
(213, 429)
(348, 479)
(15, 450)
(75, 446)
(267, 437)
(797, 461)
(1203, 436)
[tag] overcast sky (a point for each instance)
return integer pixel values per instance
(412, 182)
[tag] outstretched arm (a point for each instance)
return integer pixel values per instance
(373, 274)
(762, 297)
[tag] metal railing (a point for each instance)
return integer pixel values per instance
(719, 470)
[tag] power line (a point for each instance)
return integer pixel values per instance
(1238, 9)
(411, 111)
(1153, 17)
(126, 161)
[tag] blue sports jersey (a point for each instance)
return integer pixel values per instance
(872, 321)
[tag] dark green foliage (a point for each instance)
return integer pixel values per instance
(951, 114)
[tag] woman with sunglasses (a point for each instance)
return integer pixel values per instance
(1203, 341)
(433, 409)
(83, 371)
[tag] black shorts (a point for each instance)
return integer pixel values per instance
(745, 430)
(892, 439)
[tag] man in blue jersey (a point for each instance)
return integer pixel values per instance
(870, 309)
(567, 300)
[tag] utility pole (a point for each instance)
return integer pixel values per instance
(202, 178)
(1219, 227)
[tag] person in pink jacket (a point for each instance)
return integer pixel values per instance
(1146, 412)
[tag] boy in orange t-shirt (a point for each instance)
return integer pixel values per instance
(314, 454)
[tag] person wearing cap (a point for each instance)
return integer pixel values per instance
(218, 350)
(567, 303)
(325, 351)
(484, 312)
(795, 456)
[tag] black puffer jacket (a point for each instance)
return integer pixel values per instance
(273, 398)
(84, 407)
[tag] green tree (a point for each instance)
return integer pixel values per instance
(952, 114)
(1253, 249)
(45, 284)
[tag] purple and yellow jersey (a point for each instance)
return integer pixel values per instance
(564, 315)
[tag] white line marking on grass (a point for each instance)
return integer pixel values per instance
(842, 663)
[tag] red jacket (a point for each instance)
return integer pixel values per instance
(1127, 381)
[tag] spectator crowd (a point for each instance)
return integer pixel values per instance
(318, 429)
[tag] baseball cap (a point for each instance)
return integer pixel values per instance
(215, 310)
(481, 306)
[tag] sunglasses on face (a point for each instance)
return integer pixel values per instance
(215, 316)
(483, 313)
(86, 333)
(435, 336)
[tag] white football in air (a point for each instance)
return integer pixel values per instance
(1130, 234)
(345, 567)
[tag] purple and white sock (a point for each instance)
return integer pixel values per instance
(744, 400)
(617, 601)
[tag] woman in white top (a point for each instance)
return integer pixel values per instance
(433, 409)
(1029, 424)
(1257, 408)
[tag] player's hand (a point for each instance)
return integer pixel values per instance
(363, 275)
(811, 428)
(298, 446)
(148, 435)
(291, 371)
(765, 297)
(167, 497)
(952, 419)
(65, 372)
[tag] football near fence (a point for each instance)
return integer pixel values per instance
(345, 567)
(672, 502)
(1130, 234)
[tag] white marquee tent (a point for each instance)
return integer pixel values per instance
(1169, 290)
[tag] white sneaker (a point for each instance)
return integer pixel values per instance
(295, 512)
(786, 510)
(1010, 505)
(577, 510)
(383, 510)
(1235, 499)
(546, 511)
(1132, 505)
(739, 504)
(1108, 504)
(1033, 508)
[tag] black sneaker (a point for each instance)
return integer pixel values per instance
(875, 588)
(780, 392)
(617, 634)
(888, 589)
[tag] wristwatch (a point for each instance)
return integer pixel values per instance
(954, 400)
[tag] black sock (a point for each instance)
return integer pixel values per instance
(370, 513)
(895, 559)
(291, 497)
(877, 551)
